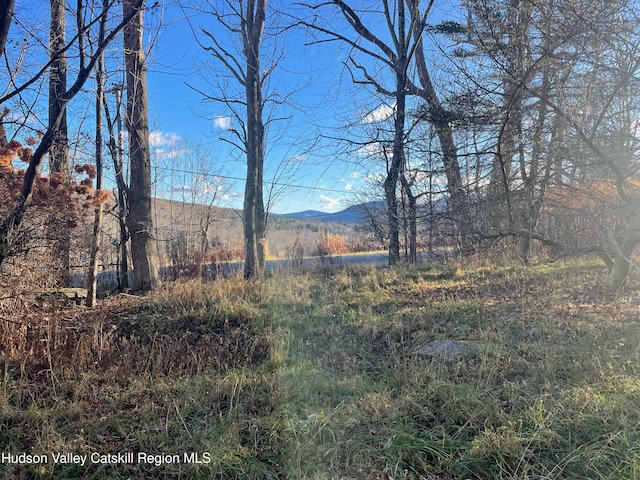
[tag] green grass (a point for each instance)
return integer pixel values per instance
(307, 375)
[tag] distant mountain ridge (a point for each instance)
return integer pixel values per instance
(353, 214)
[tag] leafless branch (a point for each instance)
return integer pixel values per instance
(229, 60)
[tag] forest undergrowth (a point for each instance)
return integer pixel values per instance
(310, 375)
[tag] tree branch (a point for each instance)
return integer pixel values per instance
(224, 56)
(369, 79)
(55, 57)
(352, 43)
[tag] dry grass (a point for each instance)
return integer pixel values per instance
(306, 375)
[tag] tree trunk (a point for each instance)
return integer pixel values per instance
(92, 282)
(413, 219)
(249, 227)
(116, 151)
(139, 220)
(123, 206)
(254, 212)
(443, 128)
(622, 260)
(6, 15)
(393, 173)
(397, 162)
(413, 230)
(534, 183)
(59, 153)
(392, 219)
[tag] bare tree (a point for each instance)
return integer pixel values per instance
(246, 20)
(92, 278)
(10, 225)
(569, 110)
(59, 152)
(139, 219)
(192, 186)
(121, 209)
(404, 27)
(439, 117)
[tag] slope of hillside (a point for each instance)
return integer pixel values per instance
(181, 229)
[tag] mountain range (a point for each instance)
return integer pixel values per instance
(353, 214)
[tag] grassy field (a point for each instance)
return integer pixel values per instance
(309, 376)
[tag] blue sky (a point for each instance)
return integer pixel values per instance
(310, 168)
(307, 166)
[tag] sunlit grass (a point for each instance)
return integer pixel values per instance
(554, 391)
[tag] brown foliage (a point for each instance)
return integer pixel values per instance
(222, 254)
(53, 191)
(87, 168)
(579, 214)
(188, 260)
(332, 244)
(53, 197)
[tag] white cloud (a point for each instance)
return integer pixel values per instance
(161, 153)
(232, 194)
(222, 122)
(212, 188)
(328, 202)
(383, 112)
(164, 145)
(163, 139)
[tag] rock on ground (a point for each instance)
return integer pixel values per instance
(447, 349)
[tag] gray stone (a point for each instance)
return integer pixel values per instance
(447, 349)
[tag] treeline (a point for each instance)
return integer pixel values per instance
(514, 124)
(509, 124)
